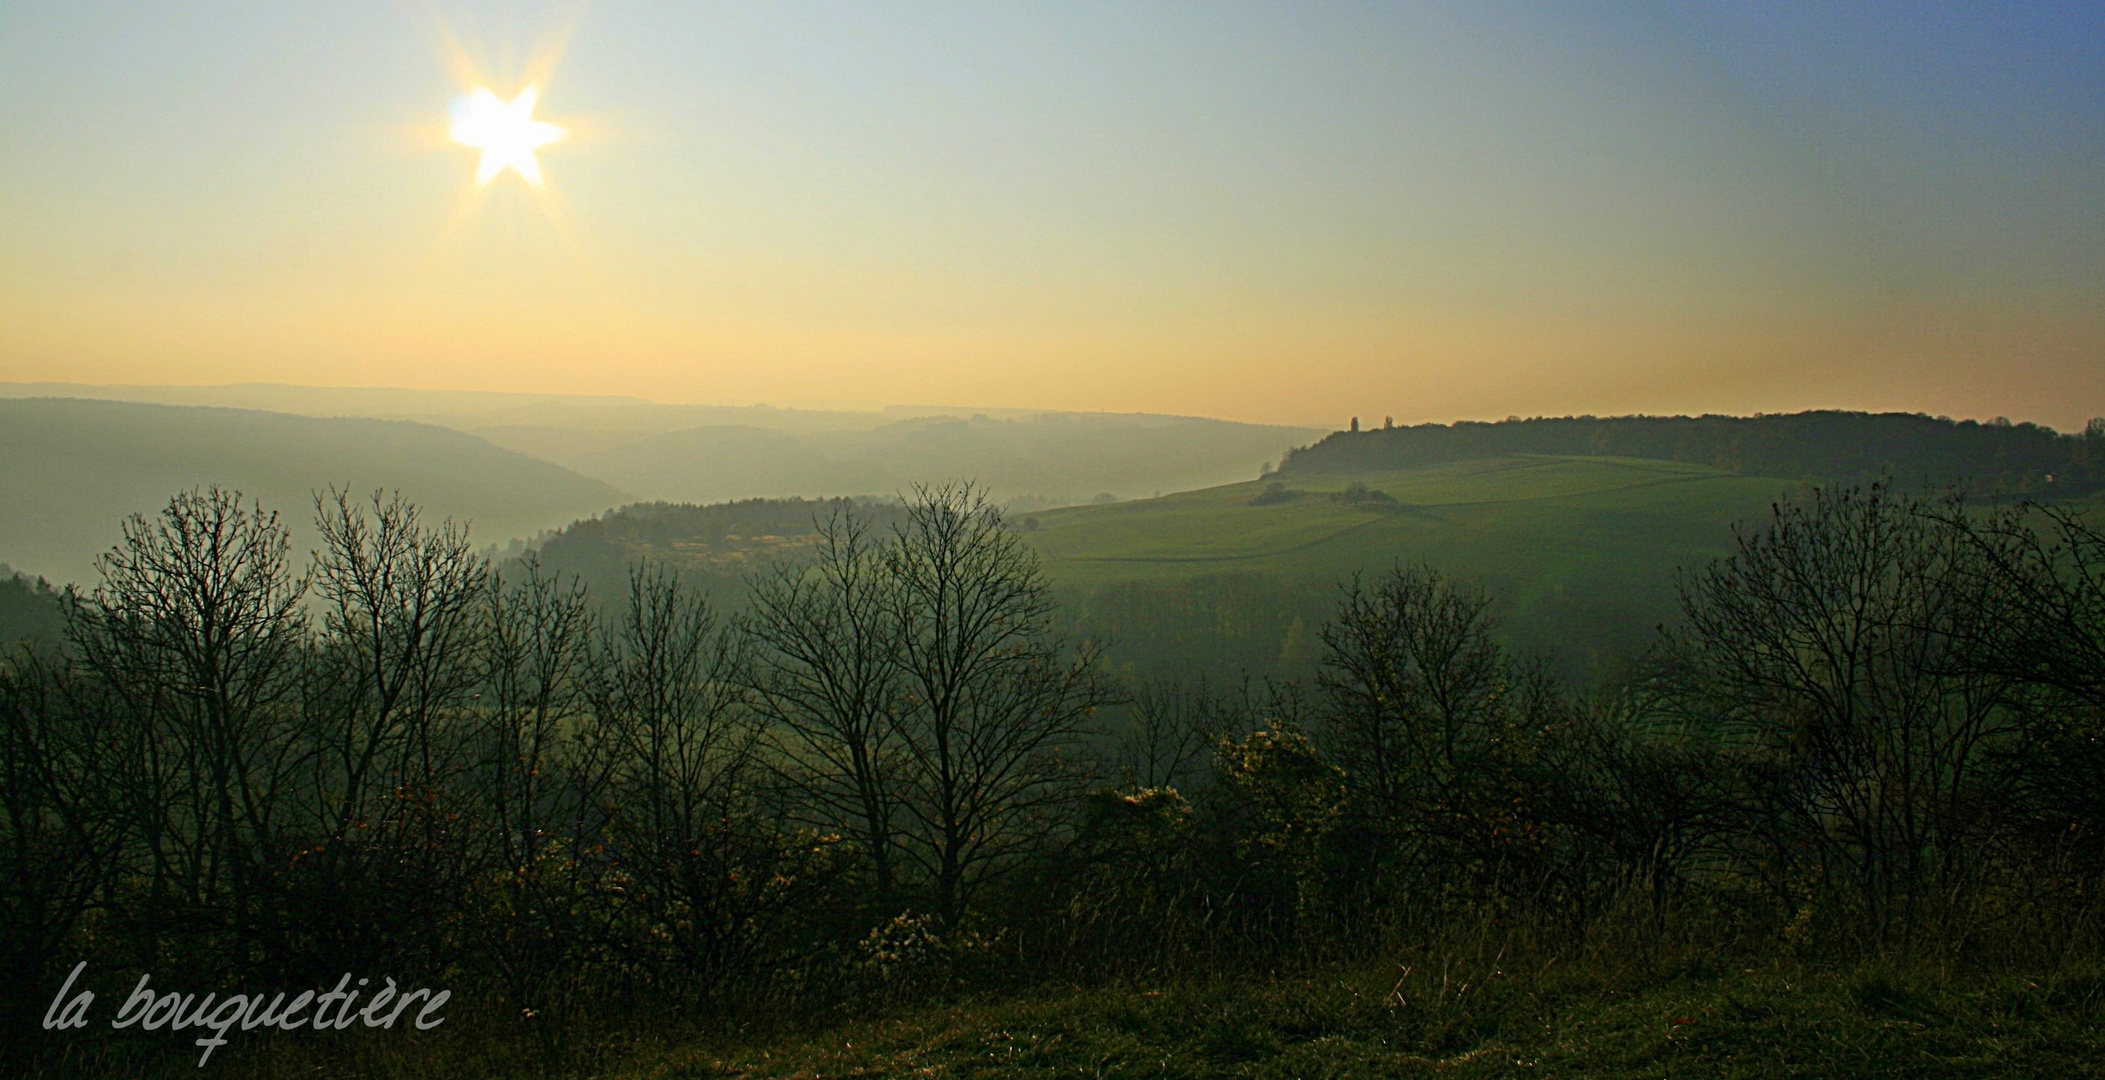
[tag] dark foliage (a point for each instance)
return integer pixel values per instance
(30, 610)
(894, 777)
(713, 548)
(1826, 447)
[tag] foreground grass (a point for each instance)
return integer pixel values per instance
(1471, 1012)
(1785, 1020)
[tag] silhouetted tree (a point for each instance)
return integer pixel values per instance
(823, 676)
(401, 610)
(993, 699)
(196, 638)
(1836, 637)
(64, 764)
(539, 793)
(1434, 726)
(2044, 568)
(667, 708)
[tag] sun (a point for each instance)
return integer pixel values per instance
(505, 132)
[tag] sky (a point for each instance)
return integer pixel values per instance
(1286, 213)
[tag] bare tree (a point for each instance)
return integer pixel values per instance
(2044, 567)
(63, 822)
(1837, 636)
(993, 699)
(823, 677)
(1653, 784)
(537, 793)
(400, 611)
(668, 708)
(2045, 564)
(1415, 681)
(533, 644)
(1436, 729)
(197, 636)
(919, 698)
(1172, 730)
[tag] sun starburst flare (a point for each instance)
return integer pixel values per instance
(505, 132)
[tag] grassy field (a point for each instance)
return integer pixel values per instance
(1490, 1008)
(1581, 553)
(1773, 1021)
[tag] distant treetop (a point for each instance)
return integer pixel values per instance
(1825, 446)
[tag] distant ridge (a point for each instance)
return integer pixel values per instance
(70, 470)
(1823, 446)
(709, 453)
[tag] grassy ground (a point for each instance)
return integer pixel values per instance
(1546, 523)
(1781, 1020)
(1580, 553)
(1487, 1009)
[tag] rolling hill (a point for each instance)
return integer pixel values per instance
(1579, 551)
(71, 470)
(1046, 459)
(711, 453)
(1824, 445)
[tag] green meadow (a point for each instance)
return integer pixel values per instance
(1486, 1006)
(1580, 553)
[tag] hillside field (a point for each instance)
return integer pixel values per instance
(1580, 552)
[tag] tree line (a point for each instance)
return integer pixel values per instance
(1877, 725)
(1826, 446)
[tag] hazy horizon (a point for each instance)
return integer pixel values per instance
(202, 394)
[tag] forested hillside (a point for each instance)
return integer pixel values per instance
(1910, 448)
(712, 548)
(71, 470)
